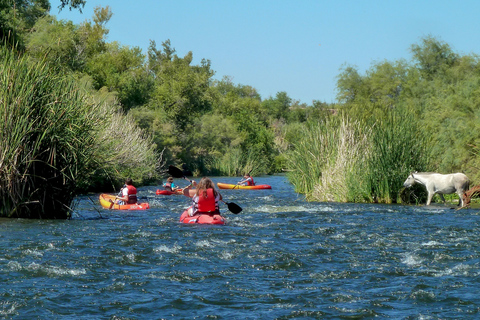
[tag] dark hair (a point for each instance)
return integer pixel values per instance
(129, 181)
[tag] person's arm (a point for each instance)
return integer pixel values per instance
(124, 196)
(188, 191)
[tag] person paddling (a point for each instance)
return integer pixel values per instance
(247, 180)
(128, 194)
(205, 197)
(169, 185)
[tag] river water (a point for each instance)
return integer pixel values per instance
(280, 258)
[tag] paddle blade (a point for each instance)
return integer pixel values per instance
(233, 207)
(175, 172)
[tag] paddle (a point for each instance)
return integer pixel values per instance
(177, 173)
(233, 207)
(118, 195)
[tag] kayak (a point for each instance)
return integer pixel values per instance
(167, 192)
(236, 186)
(107, 201)
(203, 218)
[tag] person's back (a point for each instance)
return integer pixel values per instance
(204, 198)
(129, 193)
(169, 185)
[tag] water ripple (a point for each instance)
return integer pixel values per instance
(280, 258)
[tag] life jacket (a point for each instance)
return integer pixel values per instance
(132, 194)
(250, 181)
(168, 186)
(205, 204)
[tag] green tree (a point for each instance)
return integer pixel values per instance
(17, 17)
(433, 57)
(277, 107)
(121, 69)
(72, 4)
(181, 90)
(69, 45)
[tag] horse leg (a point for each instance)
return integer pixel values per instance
(429, 198)
(460, 198)
(441, 197)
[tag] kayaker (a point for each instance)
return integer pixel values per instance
(169, 185)
(247, 180)
(128, 193)
(205, 197)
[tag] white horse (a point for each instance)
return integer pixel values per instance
(440, 183)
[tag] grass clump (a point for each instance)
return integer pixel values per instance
(357, 161)
(56, 139)
(46, 138)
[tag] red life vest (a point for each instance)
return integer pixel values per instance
(205, 204)
(250, 181)
(168, 186)
(132, 194)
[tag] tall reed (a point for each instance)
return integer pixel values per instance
(350, 161)
(122, 151)
(46, 138)
(398, 148)
(328, 161)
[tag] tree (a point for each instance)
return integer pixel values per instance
(181, 90)
(277, 107)
(349, 85)
(121, 69)
(17, 17)
(433, 57)
(72, 4)
(67, 44)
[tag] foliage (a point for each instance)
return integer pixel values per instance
(329, 160)
(69, 45)
(17, 17)
(398, 148)
(72, 4)
(122, 151)
(398, 117)
(47, 138)
(180, 90)
(121, 69)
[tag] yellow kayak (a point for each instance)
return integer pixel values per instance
(108, 202)
(236, 186)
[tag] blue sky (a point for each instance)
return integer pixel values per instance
(296, 46)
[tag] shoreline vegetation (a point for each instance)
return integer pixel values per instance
(80, 114)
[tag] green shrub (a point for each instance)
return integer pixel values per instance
(47, 138)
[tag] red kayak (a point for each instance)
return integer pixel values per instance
(203, 218)
(167, 192)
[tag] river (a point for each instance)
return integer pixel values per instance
(280, 258)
